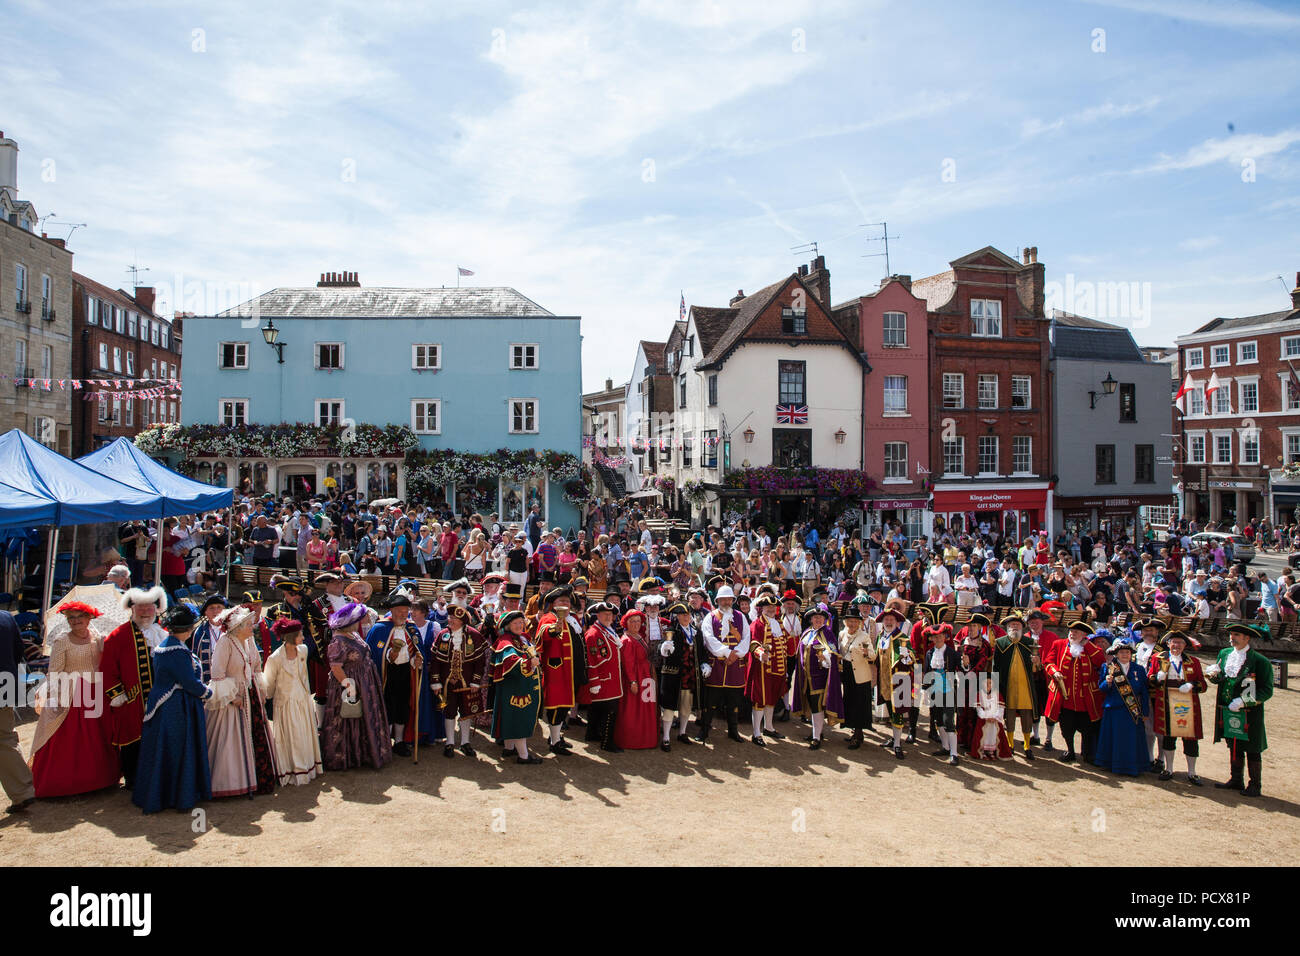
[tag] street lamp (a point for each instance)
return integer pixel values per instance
(749, 436)
(1107, 388)
(272, 334)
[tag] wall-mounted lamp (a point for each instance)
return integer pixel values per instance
(839, 437)
(1107, 388)
(749, 436)
(272, 335)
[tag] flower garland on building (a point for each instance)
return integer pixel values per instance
(821, 482)
(426, 470)
(278, 441)
(439, 467)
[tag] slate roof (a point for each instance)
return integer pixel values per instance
(389, 302)
(1244, 321)
(1079, 337)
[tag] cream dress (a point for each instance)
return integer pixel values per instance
(297, 744)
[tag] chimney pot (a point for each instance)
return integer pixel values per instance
(1033, 254)
(609, 385)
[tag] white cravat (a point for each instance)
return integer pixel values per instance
(1176, 664)
(153, 635)
(1236, 658)
(937, 657)
(1144, 653)
(404, 652)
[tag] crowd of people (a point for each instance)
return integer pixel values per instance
(638, 641)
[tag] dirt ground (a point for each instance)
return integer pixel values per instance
(718, 804)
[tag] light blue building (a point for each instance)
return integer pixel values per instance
(471, 370)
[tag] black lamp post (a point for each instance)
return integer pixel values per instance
(272, 335)
(1107, 388)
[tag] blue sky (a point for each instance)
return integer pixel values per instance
(600, 157)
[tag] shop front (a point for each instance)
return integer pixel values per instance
(1115, 516)
(1012, 512)
(1234, 501)
(907, 513)
(1284, 495)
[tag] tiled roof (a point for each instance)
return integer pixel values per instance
(711, 323)
(1080, 321)
(936, 290)
(389, 302)
(742, 315)
(654, 353)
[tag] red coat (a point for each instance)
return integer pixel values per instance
(1081, 675)
(554, 643)
(765, 684)
(604, 669)
(127, 666)
(1192, 673)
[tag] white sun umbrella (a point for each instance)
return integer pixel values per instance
(102, 597)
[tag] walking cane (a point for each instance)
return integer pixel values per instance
(418, 676)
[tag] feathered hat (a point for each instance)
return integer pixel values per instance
(155, 595)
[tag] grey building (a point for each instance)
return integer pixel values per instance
(1111, 447)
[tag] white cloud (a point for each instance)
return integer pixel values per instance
(1199, 243)
(1231, 149)
(1240, 14)
(1093, 114)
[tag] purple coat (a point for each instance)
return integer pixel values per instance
(812, 677)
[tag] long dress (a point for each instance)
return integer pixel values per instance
(297, 744)
(72, 751)
(241, 751)
(517, 685)
(354, 741)
(173, 769)
(638, 709)
(1122, 741)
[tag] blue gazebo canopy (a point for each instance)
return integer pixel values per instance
(123, 461)
(38, 486)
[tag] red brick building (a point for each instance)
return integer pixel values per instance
(892, 325)
(990, 397)
(1235, 440)
(118, 336)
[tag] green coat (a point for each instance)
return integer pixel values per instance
(1230, 689)
(1003, 650)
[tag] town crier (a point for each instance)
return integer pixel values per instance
(460, 659)
(127, 665)
(726, 651)
(766, 683)
(604, 678)
(1074, 696)
(563, 669)
(1177, 682)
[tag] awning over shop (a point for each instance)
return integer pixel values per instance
(990, 499)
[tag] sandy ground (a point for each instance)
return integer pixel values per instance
(723, 803)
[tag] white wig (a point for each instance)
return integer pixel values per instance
(155, 595)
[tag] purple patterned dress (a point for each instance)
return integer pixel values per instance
(354, 741)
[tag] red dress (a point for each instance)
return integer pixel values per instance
(638, 708)
(72, 752)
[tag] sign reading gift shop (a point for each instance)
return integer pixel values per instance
(1009, 499)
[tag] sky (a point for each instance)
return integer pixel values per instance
(606, 158)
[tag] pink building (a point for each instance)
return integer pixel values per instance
(893, 330)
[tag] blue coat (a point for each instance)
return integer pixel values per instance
(1122, 741)
(173, 770)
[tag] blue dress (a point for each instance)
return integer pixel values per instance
(173, 769)
(1122, 741)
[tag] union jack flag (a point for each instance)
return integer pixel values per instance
(792, 414)
(681, 313)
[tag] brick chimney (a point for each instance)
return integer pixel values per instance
(338, 280)
(904, 281)
(1295, 293)
(819, 277)
(609, 385)
(740, 294)
(1031, 280)
(144, 297)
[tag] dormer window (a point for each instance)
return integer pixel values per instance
(794, 321)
